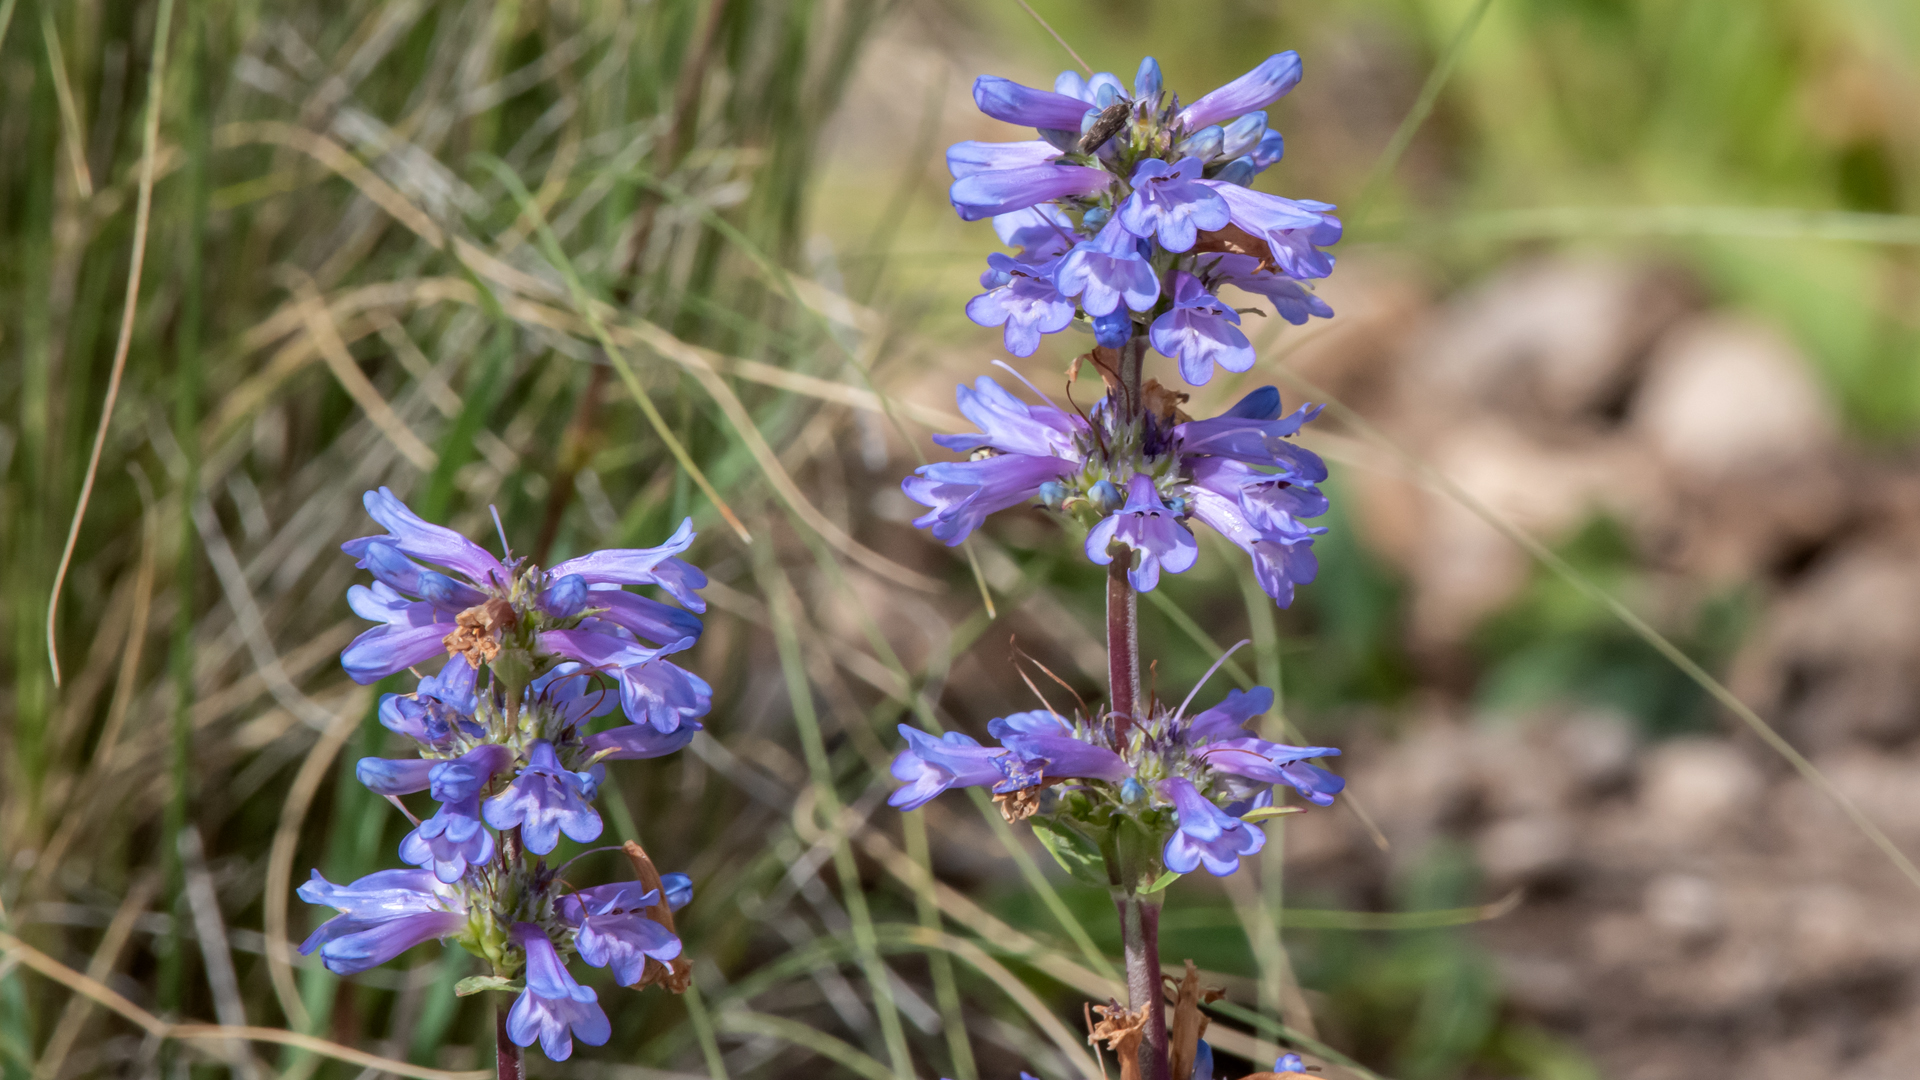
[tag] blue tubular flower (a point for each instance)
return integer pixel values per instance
(414, 536)
(1200, 332)
(652, 691)
(929, 766)
(998, 191)
(455, 838)
(1257, 89)
(1021, 297)
(1277, 763)
(553, 1009)
(1294, 229)
(614, 932)
(964, 159)
(544, 801)
(647, 618)
(1107, 271)
(1169, 203)
(1290, 1063)
(1230, 716)
(1044, 747)
(383, 557)
(1207, 834)
(1042, 233)
(1004, 99)
(1290, 299)
(643, 566)
(413, 633)
(1243, 135)
(389, 776)
(1148, 527)
(381, 916)
(1279, 561)
(1030, 446)
(634, 742)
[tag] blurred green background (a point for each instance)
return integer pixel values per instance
(375, 232)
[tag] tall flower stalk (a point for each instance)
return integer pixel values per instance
(1129, 216)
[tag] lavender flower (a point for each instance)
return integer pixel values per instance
(1147, 526)
(1294, 229)
(1257, 89)
(998, 191)
(613, 931)
(1276, 763)
(1207, 834)
(381, 916)
(1169, 204)
(1291, 300)
(1107, 271)
(546, 800)
(1023, 298)
(553, 1009)
(1200, 332)
(929, 766)
(1050, 749)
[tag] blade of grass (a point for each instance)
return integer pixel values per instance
(744, 1022)
(142, 217)
(550, 245)
(781, 605)
(1422, 107)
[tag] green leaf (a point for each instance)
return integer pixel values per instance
(1162, 882)
(1076, 854)
(1265, 812)
(476, 984)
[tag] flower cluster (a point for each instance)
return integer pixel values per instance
(511, 766)
(1130, 212)
(1137, 482)
(1195, 784)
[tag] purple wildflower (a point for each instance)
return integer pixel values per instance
(929, 766)
(1277, 763)
(1200, 332)
(553, 1008)
(455, 838)
(1169, 203)
(652, 691)
(1294, 229)
(614, 932)
(381, 916)
(1292, 300)
(964, 159)
(1042, 233)
(1230, 716)
(412, 634)
(1021, 297)
(546, 800)
(1146, 525)
(1031, 445)
(1257, 89)
(1207, 834)
(999, 191)
(635, 742)
(1108, 270)
(1004, 99)
(1046, 745)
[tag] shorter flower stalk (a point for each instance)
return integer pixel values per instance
(533, 658)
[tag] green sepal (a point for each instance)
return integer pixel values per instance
(1076, 854)
(478, 984)
(1162, 882)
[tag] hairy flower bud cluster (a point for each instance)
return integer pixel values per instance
(533, 658)
(1194, 785)
(1130, 212)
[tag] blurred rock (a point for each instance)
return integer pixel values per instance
(1724, 395)
(1691, 789)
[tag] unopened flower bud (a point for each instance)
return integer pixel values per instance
(1203, 144)
(565, 598)
(1239, 171)
(1105, 497)
(1243, 134)
(1113, 329)
(1146, 84)
(1132, 792)
(1053, 493)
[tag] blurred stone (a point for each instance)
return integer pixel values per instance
(1526, 850)
(1553, 338)
(1685, 905)
(1693, 788)
(1724, 395)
